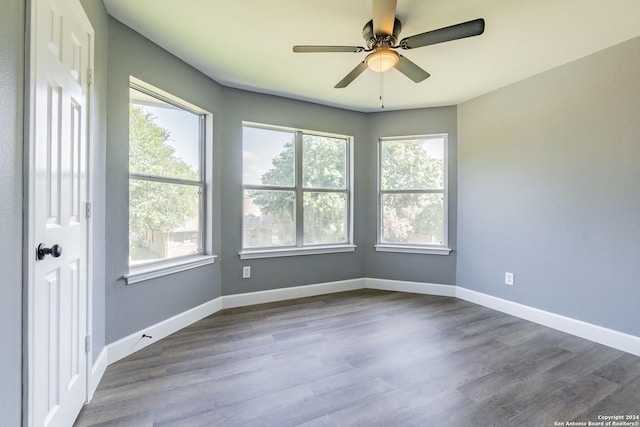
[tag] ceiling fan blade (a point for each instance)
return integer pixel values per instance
(411, 70)
(454, 32)
(314, 49)
(352, 75)
(384, 16)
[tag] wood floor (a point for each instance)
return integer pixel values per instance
(366, 358)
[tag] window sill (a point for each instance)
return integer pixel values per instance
(425, 250)
(275, 253)
(146, 272)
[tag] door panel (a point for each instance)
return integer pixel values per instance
(57, 321)
(54, 160)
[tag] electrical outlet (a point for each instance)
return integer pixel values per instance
(246, 272)
(508, 279)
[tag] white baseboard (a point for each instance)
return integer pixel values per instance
(97, 371)
(609, 337)
(411, 287)
(134, 342)
(618, 340)
(281, 294)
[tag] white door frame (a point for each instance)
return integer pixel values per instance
(29, 244)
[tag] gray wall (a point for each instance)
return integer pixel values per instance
(440, 269)
(286, 271)
(548, 189)
(11, 135)
(130, 308)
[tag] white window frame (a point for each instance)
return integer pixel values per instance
(427, 249)
(154, 269)
(300, 248)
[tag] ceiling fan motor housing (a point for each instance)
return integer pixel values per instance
(382, 40)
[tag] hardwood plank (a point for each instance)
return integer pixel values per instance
(365, 358)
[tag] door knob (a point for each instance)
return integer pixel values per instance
(42, 251)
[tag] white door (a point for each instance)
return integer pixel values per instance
(61, 45)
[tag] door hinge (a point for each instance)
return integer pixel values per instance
(87, 343)
(89, 76)
(88, 210)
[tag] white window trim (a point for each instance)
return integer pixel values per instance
(307, 250)
(144, 272)
(285, 251)
(152, 270)
(426, 249)
(412, 249)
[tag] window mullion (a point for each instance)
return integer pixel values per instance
(438, 191)
(299, 219)
(202, 235)
(326, 190)
(267, 188)
(202, 132)
(164, 179)
(201, 220)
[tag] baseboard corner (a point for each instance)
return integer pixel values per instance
(147, 336)
(97, 372)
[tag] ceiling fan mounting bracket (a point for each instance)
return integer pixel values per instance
(381, 40)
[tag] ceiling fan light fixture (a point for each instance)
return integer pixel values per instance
(382, 60)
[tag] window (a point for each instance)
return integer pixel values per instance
(166, 178)
(412, 197)
(296, 192)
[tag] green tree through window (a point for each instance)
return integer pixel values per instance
(157, 207)
(412, 191)
(323, 191)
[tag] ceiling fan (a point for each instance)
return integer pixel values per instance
(381, 36)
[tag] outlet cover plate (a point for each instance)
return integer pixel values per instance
(508, 279)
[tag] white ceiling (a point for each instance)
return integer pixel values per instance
(247, 44)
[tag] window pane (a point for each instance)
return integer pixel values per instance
(269, 218)
(324, 162)
(164, 140)
(268, 157)
(325, 218)
(412, 164)
(163, 221)
(413, 218)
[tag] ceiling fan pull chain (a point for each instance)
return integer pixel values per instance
(382, 90)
